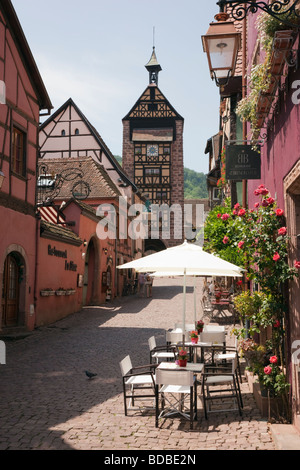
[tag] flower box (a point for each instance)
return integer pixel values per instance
(60, 292)
(47, 293)
(268, 407)
(70, 291)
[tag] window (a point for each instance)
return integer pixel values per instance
(63, 132)
(76, 131)
(18, 152)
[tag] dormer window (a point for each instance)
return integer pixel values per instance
(63, 132)
(76, 131)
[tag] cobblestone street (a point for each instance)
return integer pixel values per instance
(47, 402)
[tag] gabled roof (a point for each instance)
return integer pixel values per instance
(159, 97)
(94, 174)
(24, 49)
(96, 135)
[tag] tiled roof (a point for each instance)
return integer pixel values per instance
(94, 175)
(57, 232)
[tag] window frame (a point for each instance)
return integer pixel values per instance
(18, 163)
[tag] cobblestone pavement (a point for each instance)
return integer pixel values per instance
(47, 402)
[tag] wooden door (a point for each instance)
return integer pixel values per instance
(10, 292)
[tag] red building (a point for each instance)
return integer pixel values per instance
(26, 97)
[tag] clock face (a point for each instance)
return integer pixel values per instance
(152, 150)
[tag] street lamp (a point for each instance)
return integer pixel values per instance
(287, 11)
(221, 44)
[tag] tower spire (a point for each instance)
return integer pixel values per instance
(153, 68)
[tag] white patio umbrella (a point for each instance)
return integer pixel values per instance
(184, 260)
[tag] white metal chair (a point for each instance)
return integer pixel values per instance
(215, 341)
(141, 379)
(173, 388)
(215, 379)
(158, 353)
(229, 355)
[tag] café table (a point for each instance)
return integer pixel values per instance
(197, 368)
(193, 348)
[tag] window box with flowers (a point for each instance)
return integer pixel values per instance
(47, 292)
(276, 41)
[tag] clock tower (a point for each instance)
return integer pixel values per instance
(153, 155)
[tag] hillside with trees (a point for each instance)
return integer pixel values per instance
(194, 183)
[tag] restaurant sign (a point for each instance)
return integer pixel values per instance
(242, 162)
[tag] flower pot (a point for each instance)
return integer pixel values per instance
(199, 330)
(60, 292)
(182, 362)
(194, 340)
(217, 300)
(47, 293)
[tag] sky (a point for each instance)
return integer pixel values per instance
(95, 52)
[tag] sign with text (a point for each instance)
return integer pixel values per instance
(242, 162)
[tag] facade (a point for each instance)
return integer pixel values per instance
(25, 100)
(275, 128)
(77, 169)
(153, 153)
(280, 167)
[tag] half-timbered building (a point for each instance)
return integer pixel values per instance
(23, 99)
(153, 152)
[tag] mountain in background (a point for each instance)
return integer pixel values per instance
(194, 183)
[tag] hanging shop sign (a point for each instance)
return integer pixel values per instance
(242, 162)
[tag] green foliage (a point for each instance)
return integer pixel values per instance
(195, 186)
(257, 240)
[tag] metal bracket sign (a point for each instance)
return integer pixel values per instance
(242, 163)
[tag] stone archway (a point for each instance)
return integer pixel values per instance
(152, 246)
(91, 273)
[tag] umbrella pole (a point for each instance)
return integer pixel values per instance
(184, 307)
(195, 303)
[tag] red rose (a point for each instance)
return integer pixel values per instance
(225, 216)
(276, 256)
(219, 215)
(225, 240)
(240, 244)
(273, 359)
(279, 212)
(242, 212)
(257, 192)
(282, 231)
(264, 191)
(256, 204)
(268, 370)
(277, 324)
(271, 200)
(297, 264)
(236, 206)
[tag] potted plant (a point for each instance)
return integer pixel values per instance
(194, 336)
(60, 291)
(199, 326)
(47, 292)
(218, 296)
(70, 291)
(182, 358)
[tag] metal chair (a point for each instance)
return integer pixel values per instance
(139, 379)
(215, 341)
(173, 387)
(161, 352)
(215, 379)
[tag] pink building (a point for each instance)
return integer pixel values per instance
(26, 97)
(279, 122)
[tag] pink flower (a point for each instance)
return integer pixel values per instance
(225, 216)
(265, 203)
(273, 359)
(271, 200)
(225, 240)
(219, 216)
(279, 212)
(276, 256)
(256, 204)
(239, 283)
(282, 231)
(257, 192)
(297, 264)
(268, 370)
(264, 191)
(236, 206)
(240, 244)
(276, 324)
(241, 212)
